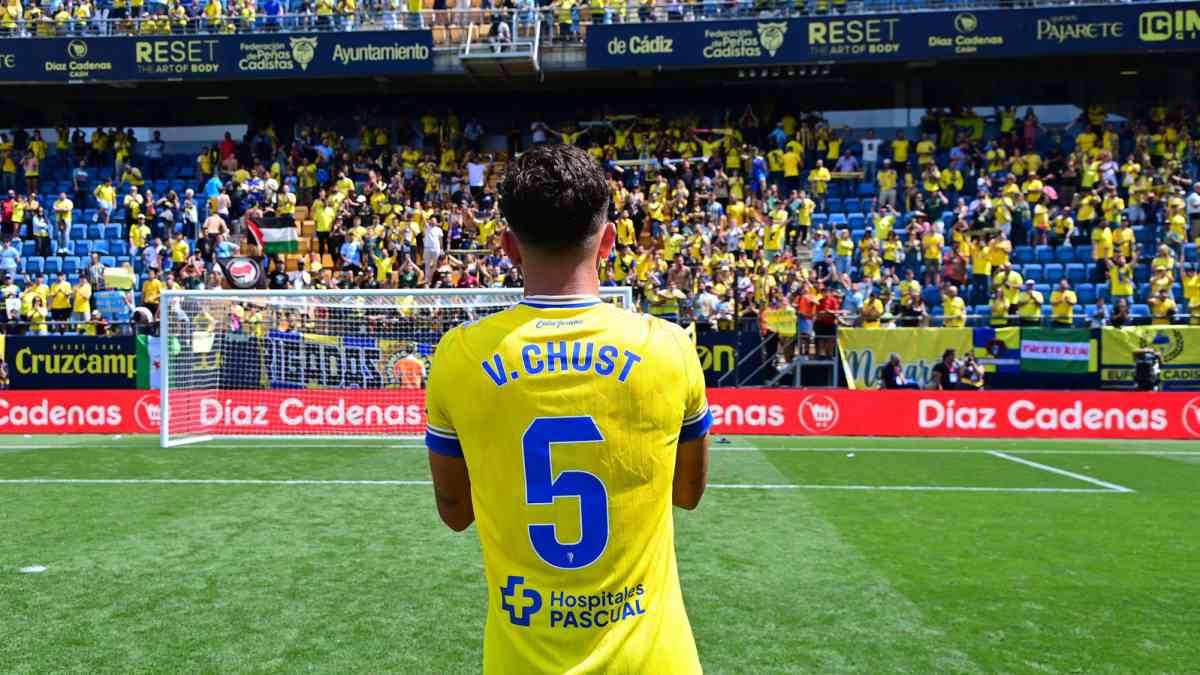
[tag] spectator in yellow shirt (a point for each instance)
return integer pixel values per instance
(1191, 293)
(1029, 305)
(1062, 305)
(1162, 308)
(954, 310)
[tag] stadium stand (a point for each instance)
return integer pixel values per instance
(715, 223)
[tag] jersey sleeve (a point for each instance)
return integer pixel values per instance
(440, 434)
(696, 416)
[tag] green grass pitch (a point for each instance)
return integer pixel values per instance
(806, 556)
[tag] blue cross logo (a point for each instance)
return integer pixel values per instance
(527, 603)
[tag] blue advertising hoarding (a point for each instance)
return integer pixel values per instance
(188, 58)
(898, 37)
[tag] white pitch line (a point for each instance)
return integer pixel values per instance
(1062, 472)
(909, 488)
(716, 486)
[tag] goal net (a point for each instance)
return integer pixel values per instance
(308, 363)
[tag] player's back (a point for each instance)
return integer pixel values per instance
(568, 414)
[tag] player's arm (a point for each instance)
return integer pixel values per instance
(452, 490)
(691, 472)
(691, 455)
(451, 481)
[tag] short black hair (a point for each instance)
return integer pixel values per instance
(554, 197)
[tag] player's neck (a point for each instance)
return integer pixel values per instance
(578, 281)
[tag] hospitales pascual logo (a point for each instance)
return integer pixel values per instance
(303, 50)
(520, 601)
(77, 49)
(818, 413)
(1181, 24)
(770, 35)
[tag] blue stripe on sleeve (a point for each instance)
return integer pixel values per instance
(693, 430)
(449, 447)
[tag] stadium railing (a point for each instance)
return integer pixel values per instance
(450, 26)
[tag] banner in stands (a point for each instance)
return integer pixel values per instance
(986, 414)
(70, 362)
(189, 58)
(831, 412)
(1179, 347)
(865, 350)
(999, 33)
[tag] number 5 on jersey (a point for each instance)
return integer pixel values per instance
(542, 487)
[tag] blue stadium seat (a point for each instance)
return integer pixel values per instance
(852, 204)
(1086, 293)
(95, 232)
(89, 215)
(1064, 254)
(179, 186)
(837, 220)
(1022, 255)
(1142, 292)
(1045, 290)
(938, 316)
(833, 205)
(34, 264)
(856, 220)
(83, 247)
(1091, 270)
(1140, 311)
(108, 261)
(819, 219)
(118, 247)
(866, 189)
(78, 232)
(1033, 272)
(1141, 273)
(1177, 293)
(1089, 311)
(112, 231)
(53, 266)
(1076, 273)
(70, 266)
(28, 248)
(1102, 291)
(1190, 253)
(100, 247)
(1053, 272)
(1044, 254)
(161, 186)
(122, 259)
(1083, 253)
(983, 315)
(932, 295)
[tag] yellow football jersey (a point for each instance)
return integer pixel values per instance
(568, 412)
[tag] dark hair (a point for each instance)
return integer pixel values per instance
(554, 197)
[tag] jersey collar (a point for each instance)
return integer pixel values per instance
(560, 301)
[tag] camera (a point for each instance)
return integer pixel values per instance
(1147, 370)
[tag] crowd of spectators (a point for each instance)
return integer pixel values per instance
(997, 220)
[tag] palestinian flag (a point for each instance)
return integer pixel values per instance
(1058, 350)
(275, 235)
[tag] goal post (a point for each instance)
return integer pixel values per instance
(309, 364)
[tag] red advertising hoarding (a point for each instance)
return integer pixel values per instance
(798, 412)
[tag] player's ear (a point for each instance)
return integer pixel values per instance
(608, 239)
(508, 242)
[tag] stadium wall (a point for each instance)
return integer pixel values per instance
(793, 412)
